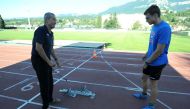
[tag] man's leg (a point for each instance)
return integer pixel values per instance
(145, 83)
(50, 82)
(43, 80)
(154, 77)
(44, 87)
(51, 99)
(154, 91)
(143, 95)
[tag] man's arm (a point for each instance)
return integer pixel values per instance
(144, 57)
(163, 39)
(53, 54)
(55, 57)
(43, 55)
(156, 53)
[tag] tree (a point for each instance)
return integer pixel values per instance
(137, 26)
(187, 23)
(2, 23)
(115, 21)
(112, 22)
(99, 22)
(62, 22)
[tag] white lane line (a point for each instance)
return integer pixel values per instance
(22, 100)
(124, 87)
(21, 82)
(26, 67)
(130, 73)
(168, 107)
(30, 100)
(21, 74)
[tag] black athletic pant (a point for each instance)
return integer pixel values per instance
(45, 78)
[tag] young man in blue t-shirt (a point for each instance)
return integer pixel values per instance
(156, 57)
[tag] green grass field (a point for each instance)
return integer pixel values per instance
(133, 41)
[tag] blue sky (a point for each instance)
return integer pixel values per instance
(36, 8)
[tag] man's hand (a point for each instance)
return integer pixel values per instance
(55, 58)
(51, 64)
(159, 50)
(43, 55)
(145, 65)
(144, 58)
(57, 63)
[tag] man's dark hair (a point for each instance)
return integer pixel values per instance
(154, 9)
(48, 15)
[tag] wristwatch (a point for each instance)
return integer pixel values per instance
(147, 63)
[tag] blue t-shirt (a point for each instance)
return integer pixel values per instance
(42, 36)
(160, 34)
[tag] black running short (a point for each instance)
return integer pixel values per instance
(154, 72)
